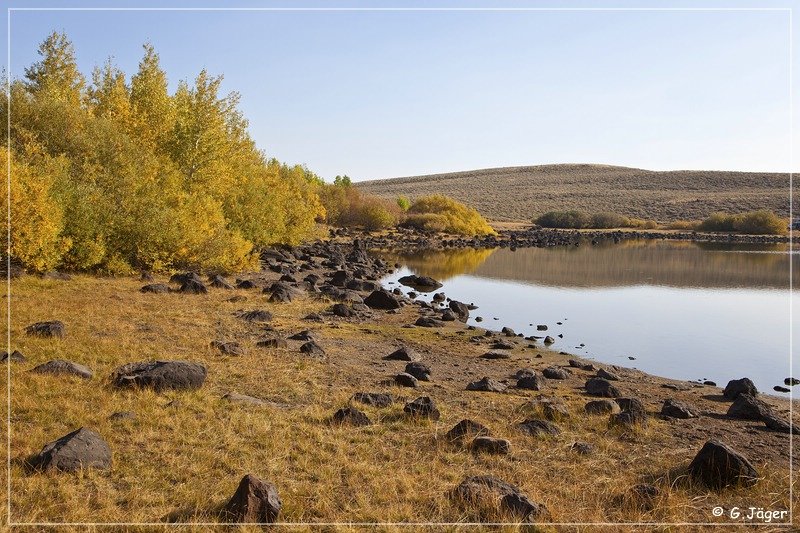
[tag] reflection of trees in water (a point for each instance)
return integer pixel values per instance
(676, 264)
(442, 265)
(633, 262)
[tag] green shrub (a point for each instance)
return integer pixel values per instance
(403, 203)
(441, 213)
(608, 220)
(720, 222)
(564, 219)
(346, 206)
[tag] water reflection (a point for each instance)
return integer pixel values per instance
(684, 310)
(666, 263)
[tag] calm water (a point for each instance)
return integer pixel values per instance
(683, 310)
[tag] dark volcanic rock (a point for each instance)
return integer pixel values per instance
(605, 374)
(53, 328)
(508, 332)
(313, 349)
(15, 357)
(582, 448)
(460, 309)
(736, 387)
(160, 375)
(428, 322)
(492, 493)
(193, 286)
(272, 342)
(81, 449)
(534, 382)
(676, 409)
(246, 284)
(155, 288)
(602, 407)
(535, 427)
(220, 282)
(490, 445)
(486, 384)
(422, 407)
(748, 407)
(496, 355)
(255, 501)
(382, 299)
(351, 416)
(402, 354)
(553, 372)
(421, 371)
(342, 310)
(62, 367)
(633, 413)
(375, 399)
(717, 466)
(466, 428)
(256, 315)
(601, 387)
(228, 348)
(406, 380)
(775, 423)
(421, 283)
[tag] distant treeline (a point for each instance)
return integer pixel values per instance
(761, 222)
(117, 174)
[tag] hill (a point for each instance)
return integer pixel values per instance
(520, 193)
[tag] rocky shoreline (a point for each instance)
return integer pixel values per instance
(395, 344)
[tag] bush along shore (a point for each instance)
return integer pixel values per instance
(409, 239)
(306, 392)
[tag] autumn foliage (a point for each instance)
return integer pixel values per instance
(116, 174)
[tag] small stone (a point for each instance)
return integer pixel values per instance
(53, 328)
(602, 407)
(422, 407)
(62, 367)
(535, 427)
(351, 416)
(486, 384)
(464, 429)
(406, 380)
(228, 348)
(676, 409)
(582, 448)
(421, 371)
(553, 372)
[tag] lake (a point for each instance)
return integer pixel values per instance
(691, 311)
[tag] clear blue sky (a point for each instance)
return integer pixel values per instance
(385, 94)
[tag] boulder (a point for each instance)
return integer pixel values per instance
(313, 349)
(534, 382)
(421, 371)
(428, 322)
(633, 413)
(255, 501)
(155, 288)
(605, 374)
(602, 407)
(460, 309)
(554, 372)
(220, 282)
(228, 347)
(466, 428)
(342, 310)
(490, 445)
(160, 375)
(256, 315)
(490, 493)
(193, 286)
(748, 407)
(62, 367)
(375, 399)
(402, 354)
(406, 380)
(422, 407)
(486, 384)
(79, 450)
(735, 387)
(52, 328)
(676, 409)
(776, 423)
(717, 466)
(535, 427)
(382, 299)
(421, 283)
(601, 387)
(351, 416)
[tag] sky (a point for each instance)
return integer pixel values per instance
(379, 94)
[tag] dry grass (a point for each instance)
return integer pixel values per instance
(181, 462)
(522, 193)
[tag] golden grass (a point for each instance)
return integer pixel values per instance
(181, 462)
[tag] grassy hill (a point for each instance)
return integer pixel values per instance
(519, 193)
